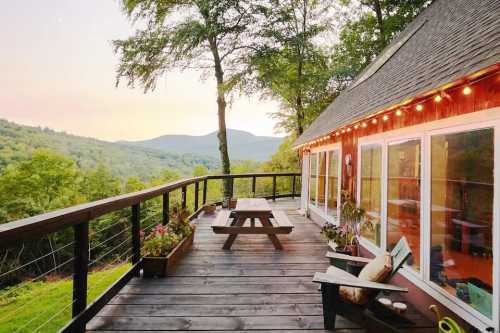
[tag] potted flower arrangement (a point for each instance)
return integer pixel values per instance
(344, 238)
(164, 246)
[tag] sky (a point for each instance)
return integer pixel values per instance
(57, 70)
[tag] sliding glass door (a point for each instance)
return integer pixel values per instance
(370, 189)
(403, 196)
(461, 253)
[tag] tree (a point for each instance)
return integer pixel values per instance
(369, 30)
(291, 67)
(100, 183)
(203, 34)
(44, 182)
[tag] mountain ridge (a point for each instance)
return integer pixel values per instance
(18, 141)
(243, 145)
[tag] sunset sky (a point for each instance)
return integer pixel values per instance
(58, 70)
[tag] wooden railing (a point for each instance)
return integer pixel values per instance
(79, 217)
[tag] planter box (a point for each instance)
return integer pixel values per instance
(158, 267)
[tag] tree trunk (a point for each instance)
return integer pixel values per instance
(300, 116)
(221, 112)
(380, 22)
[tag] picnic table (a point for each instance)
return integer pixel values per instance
(234, 223)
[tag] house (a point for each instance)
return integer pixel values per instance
(415, 139)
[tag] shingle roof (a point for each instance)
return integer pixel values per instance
(448, 40)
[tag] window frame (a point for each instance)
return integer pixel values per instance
(468, 122)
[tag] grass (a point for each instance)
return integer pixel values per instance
(45, 306)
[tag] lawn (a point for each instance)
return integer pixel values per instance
(45, 306)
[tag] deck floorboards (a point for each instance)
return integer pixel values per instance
(251, 288)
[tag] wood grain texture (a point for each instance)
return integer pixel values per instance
(252, 288)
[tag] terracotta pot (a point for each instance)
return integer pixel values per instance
(158, 267)
(209, 209)
(232, 203)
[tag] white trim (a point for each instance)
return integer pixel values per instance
(474, 121)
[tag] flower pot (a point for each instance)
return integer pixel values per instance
(158, 267)
(232, 203)
(209, 209)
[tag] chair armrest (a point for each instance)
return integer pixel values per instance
(345, 257)
(355, 282)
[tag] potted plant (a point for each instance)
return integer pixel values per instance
(344, 238)
(209, 209)
(164, 246)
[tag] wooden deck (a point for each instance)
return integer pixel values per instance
(252, 287)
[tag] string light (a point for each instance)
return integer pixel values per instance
(438, 98)
(337, 134)
(363, 124)
(419, 107)
(343, 131)
(348, 129)
(356, 126)
(467, 90)
(385, 117)
(374, 121)
(399, 113)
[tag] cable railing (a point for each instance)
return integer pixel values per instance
(66, 265)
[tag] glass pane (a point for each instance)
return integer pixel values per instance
(403, 197)
(462, 216)
(333, 182)
(371, 173)
(313, 179)
(322, 180)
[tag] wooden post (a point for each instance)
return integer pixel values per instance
(136, 237)
(274, 188)
(254, 182)
(166, 208)
(205, 183)
(196, 190)
(293, 186)
(184, 195)
(80, 269)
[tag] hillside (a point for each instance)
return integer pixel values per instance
(17, 141)
(242, 145)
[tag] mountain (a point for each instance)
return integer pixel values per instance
(17, 141)
(242, 145)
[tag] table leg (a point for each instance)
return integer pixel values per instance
(231, 238)
(274, 239)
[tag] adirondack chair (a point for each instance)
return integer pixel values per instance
(334, 304)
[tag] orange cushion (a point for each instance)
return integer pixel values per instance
(375, 271)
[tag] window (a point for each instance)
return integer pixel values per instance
(313, 178)
(370, 189)
(333, 183)
(403, 196)
(322, 180)
(461, 254)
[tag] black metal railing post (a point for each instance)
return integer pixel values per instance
(254, 182)
(196, 190)
(231, 181)
(293, 186)
(81, 267)
(184, 196)
(136, 234)
(205, 183)
(166, 208)
(274, 188)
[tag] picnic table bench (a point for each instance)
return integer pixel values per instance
(232, 223)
